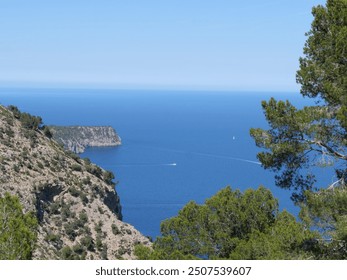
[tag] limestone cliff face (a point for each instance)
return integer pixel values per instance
(75, 201)
(77, 138)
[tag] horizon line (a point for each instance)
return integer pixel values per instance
(145, 88)
(13, 84)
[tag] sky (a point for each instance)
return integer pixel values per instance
(168, 44)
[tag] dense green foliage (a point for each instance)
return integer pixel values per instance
(323, 70)
(232, 225)
(327, 210)
(299, 139)
(17, 230)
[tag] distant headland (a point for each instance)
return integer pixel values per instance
(77, 138)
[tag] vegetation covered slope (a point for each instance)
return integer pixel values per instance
(77, 208)
(233, 225)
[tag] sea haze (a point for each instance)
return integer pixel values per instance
(176, 146)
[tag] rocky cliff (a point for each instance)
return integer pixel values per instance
(75, 201)
(77, 138)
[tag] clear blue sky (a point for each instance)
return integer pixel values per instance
(202, 44)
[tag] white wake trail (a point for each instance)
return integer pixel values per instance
(227, 157)
(207, 155)
(143, 164)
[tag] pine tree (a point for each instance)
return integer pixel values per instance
(17, 230)
(301, 139)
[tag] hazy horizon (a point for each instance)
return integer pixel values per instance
(185, 45)
(86, 87)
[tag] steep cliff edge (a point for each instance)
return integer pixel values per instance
(77, 138)
(75, 201)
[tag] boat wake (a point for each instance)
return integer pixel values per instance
(186, 153)
(143, 164)
(227, 157)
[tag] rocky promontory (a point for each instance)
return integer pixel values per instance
(77, 138)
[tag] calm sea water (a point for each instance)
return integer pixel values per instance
(176, 146)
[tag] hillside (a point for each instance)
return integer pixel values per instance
(78, 210)
(77, 138)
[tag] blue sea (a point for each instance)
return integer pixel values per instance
(177, 146)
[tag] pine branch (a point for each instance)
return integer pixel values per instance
(329, 149)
